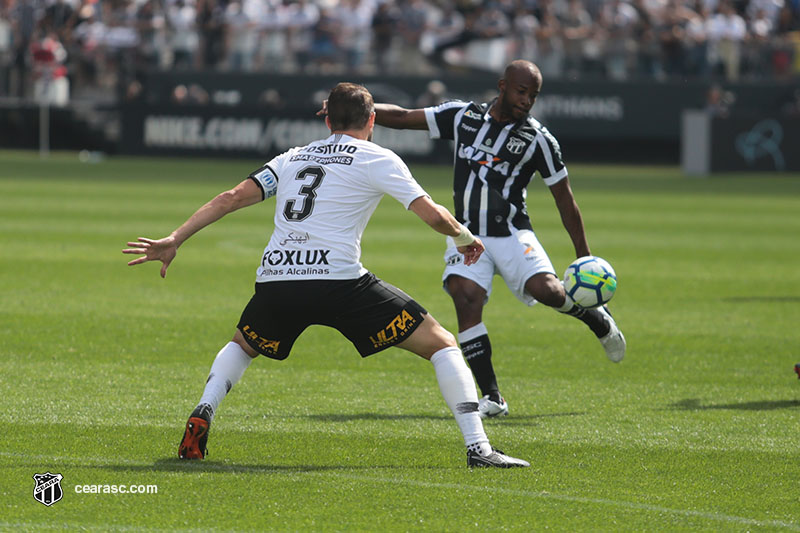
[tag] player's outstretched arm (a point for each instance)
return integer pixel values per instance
(440, 219)
(400, 118)
(164, 250)
(571, 216)
(392, 116)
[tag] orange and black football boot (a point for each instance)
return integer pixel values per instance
(193, 445)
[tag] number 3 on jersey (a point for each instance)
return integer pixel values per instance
(308, 193)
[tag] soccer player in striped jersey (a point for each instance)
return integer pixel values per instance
(311, 271)
(499, 147)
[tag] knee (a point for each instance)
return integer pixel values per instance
(238, 338)
(446, 338)
(546, 289)
(465, 293)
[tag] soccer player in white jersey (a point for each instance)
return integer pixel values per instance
(311, 273)
(498, 149)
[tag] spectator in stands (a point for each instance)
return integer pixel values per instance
(301, 18)
(727, 31)
(696, 40)
(88, 34)
(325, 49)
(23, 19)
(51, 85)
(549, 41)
(184, 41)
(648, 51)
(273, 21)
(112, 42)
(355, 18)
(412, 23)
(445, 27)
(384, 22)
(242, 20)
(757, 51)
(6, 49)
(672, 37)
(211, 29)
(618, 19)
(576, 25)
(150, 23)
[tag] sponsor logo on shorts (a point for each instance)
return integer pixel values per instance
(454, 259)
(399, 326)
(265, 345)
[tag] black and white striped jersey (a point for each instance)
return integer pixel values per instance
(493, 164)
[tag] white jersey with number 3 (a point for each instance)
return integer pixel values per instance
(326, 192)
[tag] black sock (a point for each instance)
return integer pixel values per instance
(478, 353)
(593, 318)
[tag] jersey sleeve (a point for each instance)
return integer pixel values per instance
(547, 158)
(389, 174)
(441, 119)
(266, 177)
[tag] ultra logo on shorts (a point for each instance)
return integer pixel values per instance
(265, 345)
(398, 326)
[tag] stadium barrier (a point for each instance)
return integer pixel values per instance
(257, 115)
(744, 142)
(603, 121)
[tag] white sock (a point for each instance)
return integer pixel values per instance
(472, 333)
(226, 371)
(458, 389)
(567, 306)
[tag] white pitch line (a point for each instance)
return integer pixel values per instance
(426, 484)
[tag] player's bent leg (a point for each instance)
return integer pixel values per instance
(238, 338)
(428, 338)
(431, 341)
(469, 299)
(227, 369)
(548, 289)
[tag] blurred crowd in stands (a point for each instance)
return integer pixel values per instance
(108, 44)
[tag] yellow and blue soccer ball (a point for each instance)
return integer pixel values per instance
(590, 281)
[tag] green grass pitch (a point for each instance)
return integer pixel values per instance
(100, 364)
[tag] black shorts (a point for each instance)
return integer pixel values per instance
(371, 313)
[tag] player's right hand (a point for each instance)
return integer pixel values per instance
(163, 250)
(472, 251)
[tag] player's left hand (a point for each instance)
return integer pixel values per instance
(472, 252)
(163, 250)
(324, 111)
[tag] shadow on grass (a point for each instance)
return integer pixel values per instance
(353, 417)
(177, 466)
(768, 299)
(692, 404)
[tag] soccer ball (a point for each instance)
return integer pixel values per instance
(590, 281)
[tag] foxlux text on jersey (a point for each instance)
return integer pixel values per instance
(294, 257)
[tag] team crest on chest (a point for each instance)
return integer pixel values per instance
(515, 146)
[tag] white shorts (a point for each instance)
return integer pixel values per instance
(516, 259)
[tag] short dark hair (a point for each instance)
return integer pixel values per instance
(349, 107)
